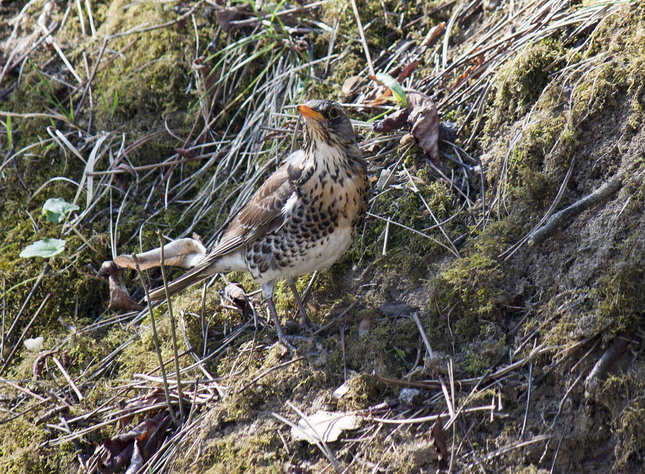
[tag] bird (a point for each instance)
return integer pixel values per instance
(301, 219)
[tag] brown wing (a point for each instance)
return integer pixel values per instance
(261, 215)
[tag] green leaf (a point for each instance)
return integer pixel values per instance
(56, 208)
(400, 353)
(43, 248)
(395, 87)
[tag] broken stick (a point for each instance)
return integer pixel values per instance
(557, 220)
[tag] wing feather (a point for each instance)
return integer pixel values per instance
(264, 212)
(261, 215)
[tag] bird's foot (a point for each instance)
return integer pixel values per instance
(307, 325)
(284, 339)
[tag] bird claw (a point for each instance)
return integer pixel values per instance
(307, 325)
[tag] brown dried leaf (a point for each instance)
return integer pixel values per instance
(433, 34)
(364, 326)
(228, 15)
(39, 362)
(119, 298)
(184, 253)
(394, 121)
(423, 120)
(424, 123)
(155, 437)
(350, 83)
(440, 446)
(235, 294)
(121, 448)
(136, 460)
(407, 71)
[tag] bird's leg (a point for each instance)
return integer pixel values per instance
(305, 322)
(267, 292)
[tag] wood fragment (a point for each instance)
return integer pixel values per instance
(600, 369)
(560, 218)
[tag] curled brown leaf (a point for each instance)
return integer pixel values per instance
(226, 16)
(235, 294)
(424, 123)
(440, 446)
(422, 118)
(120, 450)
(119, 298)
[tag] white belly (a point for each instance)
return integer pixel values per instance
(319, 257)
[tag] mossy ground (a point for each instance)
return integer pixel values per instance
(561, 104)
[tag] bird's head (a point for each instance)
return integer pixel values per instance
(326, 122)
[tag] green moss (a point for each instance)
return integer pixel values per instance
(522, 81)
(621, 295)
(623, 394)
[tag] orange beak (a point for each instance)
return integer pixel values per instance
(308, 112)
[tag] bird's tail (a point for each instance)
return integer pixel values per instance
(197, 274)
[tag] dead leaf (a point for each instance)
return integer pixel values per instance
(433, 34)
(234, 293)
(341, 391)
(350, 83)
(226, 16)
(392, 122)
(136, 460)
(119, 297)
(324, 426)
(39, 362)
(440, 446)
(407, 71)
(121, 450)
(472, 70)
(364, 326)
(424, 123)
(34, 344)
(184, 253)
(423, 120)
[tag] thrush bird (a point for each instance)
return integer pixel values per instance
(304, 216)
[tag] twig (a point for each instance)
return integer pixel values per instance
(564, 398)
(425, 419)
(528, 395)
(155, 339)
(22, 389)
(331, 323)
(268, 371)
(342, 344)
(560, 218)
(173, 334)
(508, 253)
(68, 378)
(600, 369)
(81, 19)
(434, 218)
(141, 29)
(415, 316)
(90, 16)
(322, 445)
(368, 58)
(24, 305)
(9, 67)
(15, 348)
(4, 315)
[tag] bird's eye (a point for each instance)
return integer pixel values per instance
(334, 113)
